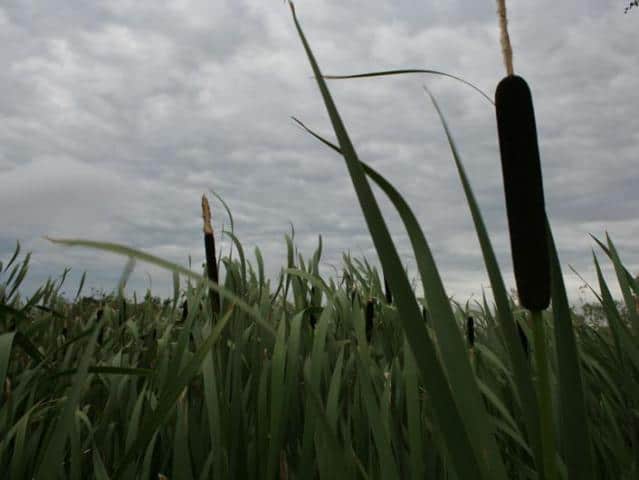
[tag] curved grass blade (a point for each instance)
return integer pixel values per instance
(228, 212)
(523, 377)
(240, 252)
(629, 278)
(152, 259)
(77, 295)
(624, 285)
(461, 377)
(16, 252)
(412, 70)
(454, 430)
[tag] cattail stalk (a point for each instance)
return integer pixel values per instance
(526, 223)
(370, 313)
(209, 249)
(470, 331)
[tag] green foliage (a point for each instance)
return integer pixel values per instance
(317, 377)
(120, 396)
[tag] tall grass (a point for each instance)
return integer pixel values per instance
(316, 377)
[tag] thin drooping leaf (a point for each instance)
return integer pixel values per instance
(152, 259)
(409, 71)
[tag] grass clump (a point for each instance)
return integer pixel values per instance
(317, 377)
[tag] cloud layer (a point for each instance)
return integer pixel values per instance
(118, 115)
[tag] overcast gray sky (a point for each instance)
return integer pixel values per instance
(117, 115)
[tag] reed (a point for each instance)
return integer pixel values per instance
(209, 250)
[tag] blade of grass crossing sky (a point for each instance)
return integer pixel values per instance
(458, 441)
(573, 425)
(408, 71)
(523, 377)
(451, 342)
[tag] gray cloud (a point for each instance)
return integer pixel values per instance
(118, 115)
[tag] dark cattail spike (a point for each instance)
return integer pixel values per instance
(98, 321)
(470, 331)
(312, 318)
(209, 249)
(425, 314)
(370, 313)
(524, 191)
(185, 310)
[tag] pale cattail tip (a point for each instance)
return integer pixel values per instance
(206, 215)
(504, 38)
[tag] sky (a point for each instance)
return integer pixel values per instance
(116, 116)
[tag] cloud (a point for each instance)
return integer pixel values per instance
(121, 114)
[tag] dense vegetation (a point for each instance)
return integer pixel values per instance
(317, 377)
(160, 387)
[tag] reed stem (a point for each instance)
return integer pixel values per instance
(545, 400)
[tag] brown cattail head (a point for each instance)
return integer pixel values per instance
(470, 331)
(524, 191)
(206, 215)
(209, 250)
(370, 313)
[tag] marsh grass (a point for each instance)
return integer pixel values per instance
(310, 376)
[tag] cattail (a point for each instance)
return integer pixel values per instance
(470, 331)
(98, 320)
(312, 318)
(524, 191)
(527, 224)
(185, 310)
(209, 248)
(425, 314)
(370, 312)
